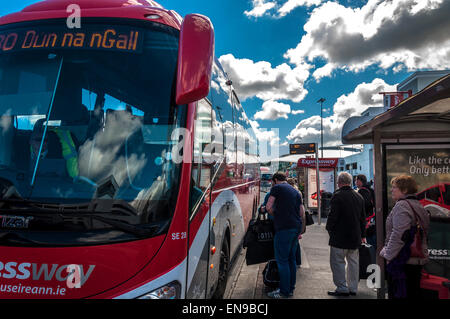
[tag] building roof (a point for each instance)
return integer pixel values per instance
(418, 74)
(425, 114)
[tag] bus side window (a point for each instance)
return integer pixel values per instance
(221, 99)
(218, 134)
(201, 165)
(251, 151)
(240, 136)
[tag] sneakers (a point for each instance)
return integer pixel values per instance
(276, 294)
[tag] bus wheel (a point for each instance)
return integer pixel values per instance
(223, 270)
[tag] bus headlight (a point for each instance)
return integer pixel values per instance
(169, 291)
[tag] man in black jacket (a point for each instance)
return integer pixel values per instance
(368, 194)
(346, 227)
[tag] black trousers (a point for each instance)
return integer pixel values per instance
(413, 276)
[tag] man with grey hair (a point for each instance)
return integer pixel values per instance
(346, 227)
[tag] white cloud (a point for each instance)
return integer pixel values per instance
(412, 33)
(268, 141)
(308, 130)
(272, 110)
(324, 71)
(260, 79)
(365, 95)
(265, 135)
(260, 7)
(276, 9)
(290, 5)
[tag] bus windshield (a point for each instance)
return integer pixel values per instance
(85, 134)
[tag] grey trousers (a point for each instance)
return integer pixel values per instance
(338, 259)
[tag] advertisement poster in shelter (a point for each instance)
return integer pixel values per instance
(429, 165)
(326, 177)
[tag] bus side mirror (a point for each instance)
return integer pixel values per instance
(195, 58)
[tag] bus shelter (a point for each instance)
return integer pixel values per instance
(413, 138)
(308, 174)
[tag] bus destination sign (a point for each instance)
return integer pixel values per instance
(306, 148)
(93, 37)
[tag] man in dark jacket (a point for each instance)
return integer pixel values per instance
(346, 227)
(368, 194)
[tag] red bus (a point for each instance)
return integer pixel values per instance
(128, 168)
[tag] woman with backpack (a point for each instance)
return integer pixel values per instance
(405, 249)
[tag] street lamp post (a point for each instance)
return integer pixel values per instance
(321, 100)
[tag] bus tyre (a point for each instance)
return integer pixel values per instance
(224, 268)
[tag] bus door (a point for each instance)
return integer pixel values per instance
(199, 202)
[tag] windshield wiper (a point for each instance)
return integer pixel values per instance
(141, 231)
(137, 230)
(49, 112)
(57, 213)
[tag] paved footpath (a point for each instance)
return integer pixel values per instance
(314, 278)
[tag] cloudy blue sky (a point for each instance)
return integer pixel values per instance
(283, 55)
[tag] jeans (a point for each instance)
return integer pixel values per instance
(285, 245)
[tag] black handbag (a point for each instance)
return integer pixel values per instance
(259, 240)
(365, 259)
(309, 219)
(271, 277)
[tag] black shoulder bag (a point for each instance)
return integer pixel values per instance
(259, 240)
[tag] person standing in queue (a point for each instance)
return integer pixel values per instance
(298, 253)
(285, 204)
(368, 194)
(404, 269)
(346, 225)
